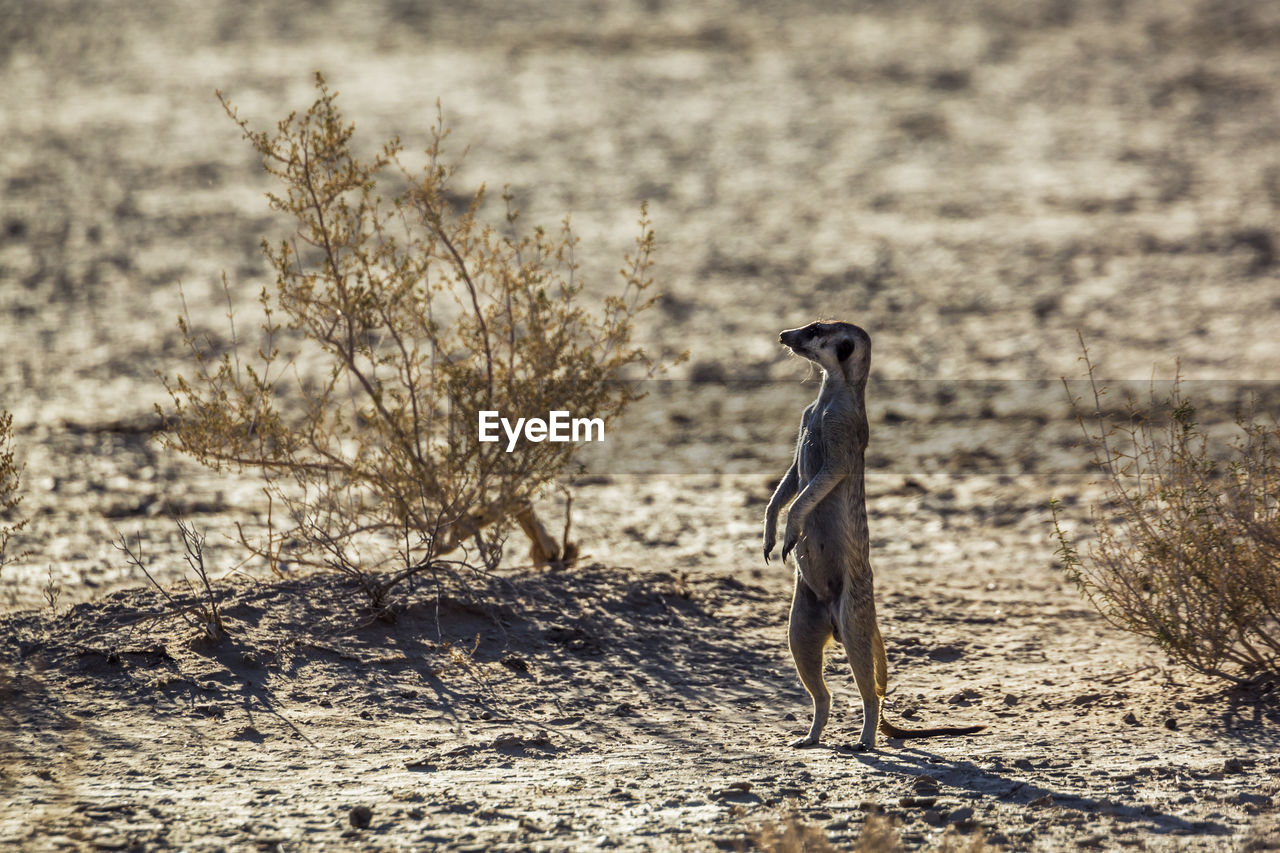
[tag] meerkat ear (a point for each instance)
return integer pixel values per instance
(844, 349)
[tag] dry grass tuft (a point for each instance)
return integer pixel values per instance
(1187, 548)
(791, 834)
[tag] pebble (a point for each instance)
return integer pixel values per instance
(1130, 718)
(732, 790)
(360, 817)
(514, 662)
(946, 654)
(924, 784)
(910, 802)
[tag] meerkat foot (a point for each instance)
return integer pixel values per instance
(805, 742)
(859, 746)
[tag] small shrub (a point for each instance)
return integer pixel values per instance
(200, 608)
(10, 482)
(391, 325)
(1187, 547)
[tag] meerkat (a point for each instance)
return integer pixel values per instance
(827, 531)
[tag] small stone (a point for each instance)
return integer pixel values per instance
(732, 790)
(1010, 699)
(1043, 802)
(1130, 718)
(360, 817)
(514, 662)
(923, 784)
(920, 802)
(946, 654)
(960, 815)
(1171, 724)
(1233, 765)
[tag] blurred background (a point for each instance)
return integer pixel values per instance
(974, 183)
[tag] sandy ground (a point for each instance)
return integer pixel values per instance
(972, 183)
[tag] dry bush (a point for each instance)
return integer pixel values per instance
(391, 324)
(1187, 548)
(10, 481)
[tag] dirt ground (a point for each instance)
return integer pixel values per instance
(972, 183)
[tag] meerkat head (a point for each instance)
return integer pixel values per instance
(841, 349)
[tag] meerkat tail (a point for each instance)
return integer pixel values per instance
(888, 729)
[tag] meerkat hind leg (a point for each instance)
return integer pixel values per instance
(861, 639)
(808, 633)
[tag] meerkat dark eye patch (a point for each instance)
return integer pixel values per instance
(844, 349)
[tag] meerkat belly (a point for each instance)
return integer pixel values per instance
(829, 546)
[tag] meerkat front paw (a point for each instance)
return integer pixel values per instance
(769, 542)
(790, 540)
(788, 545)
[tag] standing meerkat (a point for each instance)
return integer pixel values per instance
(827, 530)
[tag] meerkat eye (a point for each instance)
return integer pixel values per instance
(844, 349)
